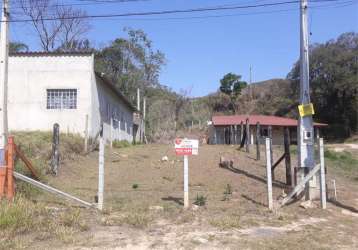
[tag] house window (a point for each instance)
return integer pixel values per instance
(61, 98)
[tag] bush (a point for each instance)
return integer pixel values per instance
(200, 200)
(16, 215)
(227, 192)
(37, 147)
(343, 161)
(120, 144)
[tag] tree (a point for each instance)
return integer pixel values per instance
(131, 62)
(65, 26)
(334, 83)
(18, 47)
(231, 84)
(83, 45)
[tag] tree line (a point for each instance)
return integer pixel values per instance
(333, 86)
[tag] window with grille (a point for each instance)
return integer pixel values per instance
(61, 98)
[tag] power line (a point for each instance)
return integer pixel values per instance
(81, 3)
(232, 15)
(165, 12)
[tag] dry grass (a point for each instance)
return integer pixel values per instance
(24, 217)
(226, 222)
(37, 146)
(135, 219)
(240, 204)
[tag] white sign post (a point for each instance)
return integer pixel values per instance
(186, 147)
(186, 181)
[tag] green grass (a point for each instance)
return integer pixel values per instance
(16, 215)
(37, 147)
(23, 216)
(121, 144)
(345, 162)
(200, 200)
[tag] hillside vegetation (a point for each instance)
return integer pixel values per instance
(334, 90)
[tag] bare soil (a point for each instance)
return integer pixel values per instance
(143, 204)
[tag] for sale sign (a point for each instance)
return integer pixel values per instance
(186, 146)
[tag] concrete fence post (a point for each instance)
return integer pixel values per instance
(268, 173)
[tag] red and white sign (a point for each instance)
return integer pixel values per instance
(186, 146)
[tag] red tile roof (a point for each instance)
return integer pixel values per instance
(254, 119)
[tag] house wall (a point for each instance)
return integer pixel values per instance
(31, 76)
(106, 107)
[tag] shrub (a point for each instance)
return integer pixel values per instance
(200, 200)
(227, 192)
(120, 144)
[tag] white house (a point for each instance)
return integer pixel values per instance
(47, 88)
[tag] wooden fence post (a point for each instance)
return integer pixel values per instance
(10, 167)
(289, 172)
(55, 162)
(241, 131)
(111, 133)
(257, 141)
(268, 173)
(101, 170)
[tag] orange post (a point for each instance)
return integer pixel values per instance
(10, 167)
(2, 180)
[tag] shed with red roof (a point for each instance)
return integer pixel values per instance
(227, 129)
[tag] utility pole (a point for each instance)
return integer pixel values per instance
(250, 81)
(138, 99)
(305, 128)
(144, 114)
(4, 54)
(250, 74)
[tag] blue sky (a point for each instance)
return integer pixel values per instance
(200, 51)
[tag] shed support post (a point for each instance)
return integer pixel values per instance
(289, 173)
(247, 136)
(257, 141)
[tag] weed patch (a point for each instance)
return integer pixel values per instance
(200, 200)
(135, 219)
(343, 161)
(227, 192)
(120, 144)
(227, 222)
(22, 216)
